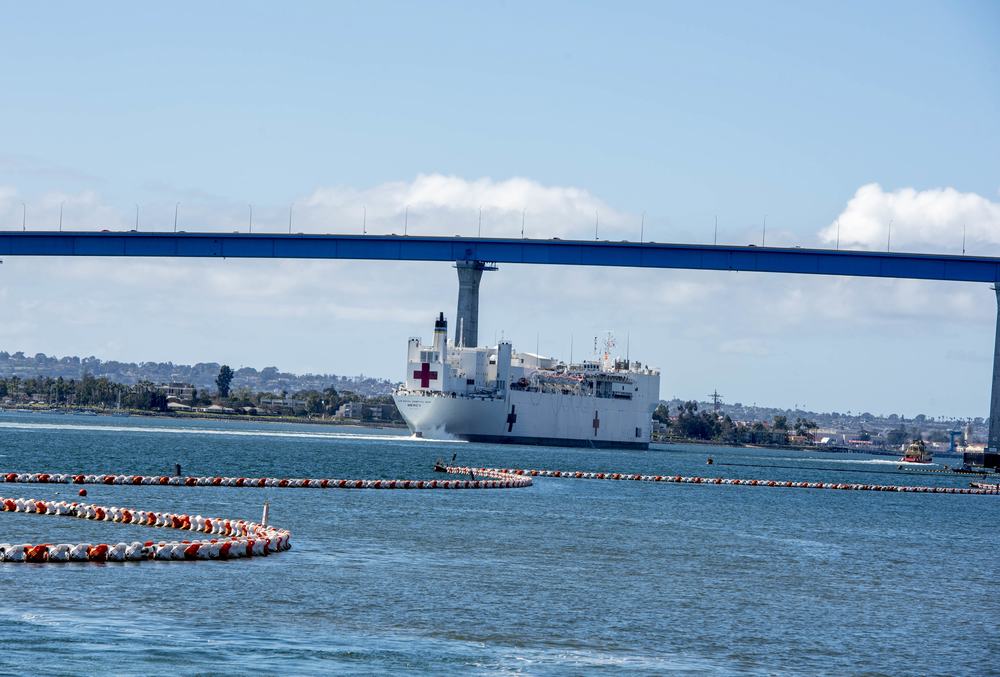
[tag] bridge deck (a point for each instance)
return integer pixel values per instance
(502, 250)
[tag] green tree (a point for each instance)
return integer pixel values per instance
(897, 436)
(728, 431)
(314, 403)
(804, 426)
(780, 422)
(697, 425)
(224, 379)
(662, 414)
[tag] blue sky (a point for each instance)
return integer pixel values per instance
(682, 111)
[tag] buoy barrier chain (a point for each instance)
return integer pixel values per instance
(487, 478)
(976, 488)
(236, 538)
(995, 488)
(241, 538)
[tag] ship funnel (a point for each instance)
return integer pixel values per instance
(467, 318)
(441, 336)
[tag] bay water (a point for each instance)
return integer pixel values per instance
(564, 577)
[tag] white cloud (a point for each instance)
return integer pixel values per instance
(931, 219)
(430, 204)
(434, 204)
(83, 210)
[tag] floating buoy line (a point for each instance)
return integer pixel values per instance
(898, 470)
(976, 488)
(225, 538)
(237, 538)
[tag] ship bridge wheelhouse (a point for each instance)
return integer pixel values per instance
(430, 356)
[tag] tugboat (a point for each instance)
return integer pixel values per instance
(916, 452)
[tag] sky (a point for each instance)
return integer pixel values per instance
(648, 119)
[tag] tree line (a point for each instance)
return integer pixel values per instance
(87, 391)
(689, 423)
(90, 391)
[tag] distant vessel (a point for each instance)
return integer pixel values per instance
(917, 452)
(494, 394)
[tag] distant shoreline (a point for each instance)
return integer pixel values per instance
(780, 447)
(128, 413)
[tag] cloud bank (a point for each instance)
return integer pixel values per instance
(921, 220)
(435, 204)
(430, 204)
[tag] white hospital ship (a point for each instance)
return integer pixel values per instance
(494, 394)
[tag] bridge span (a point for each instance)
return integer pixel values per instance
(505, 250)
(480, 250)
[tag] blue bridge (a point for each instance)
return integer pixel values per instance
(500, 250)
(474, 255)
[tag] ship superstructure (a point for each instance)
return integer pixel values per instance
(495, 394)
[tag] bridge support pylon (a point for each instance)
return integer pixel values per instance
(467, 317)
(993, 445)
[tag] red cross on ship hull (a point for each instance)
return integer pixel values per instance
(425, 375)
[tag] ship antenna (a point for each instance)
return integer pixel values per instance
(628, 345)
(571, 349)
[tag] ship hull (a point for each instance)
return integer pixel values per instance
(534, 418)
(553, 442)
